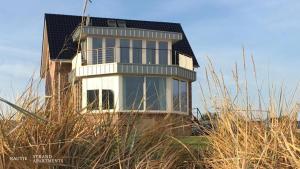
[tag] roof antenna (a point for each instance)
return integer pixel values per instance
(81, 26)
(88, 21)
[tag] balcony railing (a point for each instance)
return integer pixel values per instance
(117, 61)
(122, 55)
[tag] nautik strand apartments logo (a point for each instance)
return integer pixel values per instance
(38, 159)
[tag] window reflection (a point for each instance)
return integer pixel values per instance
(137, 51)
(150, 54)
(156, 93)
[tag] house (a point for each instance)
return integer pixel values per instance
(118, 65)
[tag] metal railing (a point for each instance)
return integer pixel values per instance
(119, 54)
(98, 56)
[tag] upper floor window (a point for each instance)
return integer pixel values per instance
(83, 47)
(107, 99)
(103, 50)
(137, 51)
(163, 53)
(93, 99)
(110, 50)
(124, 50)
(150, 52)
(96, 51)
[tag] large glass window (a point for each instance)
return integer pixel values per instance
(180, 96)
(155, 93)
(96, 51)
(110, 50)
(163, 53)
(133, 93)
(137, 51)
(183, 96)
(124, 51)
(176, 104)
(150, 54)
(107, 99)
(93, 99)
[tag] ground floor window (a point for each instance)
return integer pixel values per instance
(180, 96)
(133, 91)
(155, 93)
(93, 99)
(107, 99)
(183, 96)
(176, 103)
(144, 92)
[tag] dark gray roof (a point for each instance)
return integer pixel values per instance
(61, 27)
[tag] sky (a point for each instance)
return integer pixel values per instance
(217, 29)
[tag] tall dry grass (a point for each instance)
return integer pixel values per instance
(86, 140)
(250, 131)
(247, 132)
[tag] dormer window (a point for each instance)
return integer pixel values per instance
(111, 23)
(121, 24)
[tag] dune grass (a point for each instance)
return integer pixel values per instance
(237, 139)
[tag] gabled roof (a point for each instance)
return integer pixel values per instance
(60, 29)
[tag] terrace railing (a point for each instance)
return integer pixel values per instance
(115, 54)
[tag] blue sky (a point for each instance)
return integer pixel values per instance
(215, 28)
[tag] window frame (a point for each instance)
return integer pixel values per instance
(143, 106)
(179, 82)
(112, 48)
(137, 50)
(152, 50)
(104, 101)
(162, 96)
(126, 47)
(163, 50)
(90, 105)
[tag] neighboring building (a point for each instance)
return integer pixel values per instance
(119, 66)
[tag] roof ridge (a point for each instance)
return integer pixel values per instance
(95, 17)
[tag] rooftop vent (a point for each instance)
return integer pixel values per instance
(121, 23)
(111, 23)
